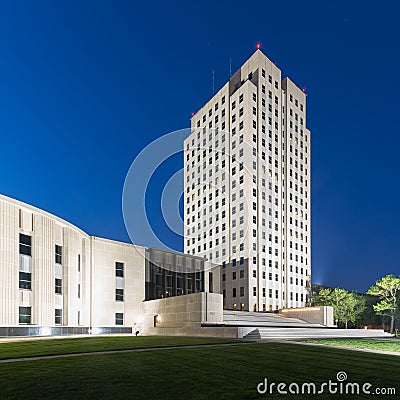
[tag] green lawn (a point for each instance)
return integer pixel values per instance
(32, 348)
(373, 344)
(226, 372)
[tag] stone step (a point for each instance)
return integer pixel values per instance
(258, 319)
(298, 333)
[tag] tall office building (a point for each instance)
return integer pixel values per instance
(247, 188)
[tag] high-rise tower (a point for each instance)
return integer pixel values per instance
(247, 188)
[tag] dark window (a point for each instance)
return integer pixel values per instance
(119, 294)
(58, 286)
(25, 280)
(234, 292)
(58, 316)
(58, 254)
(119, 318)
(119, 269)
(25, 244)
(210, 282)
(25, 314)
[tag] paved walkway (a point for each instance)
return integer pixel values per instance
(95, 353)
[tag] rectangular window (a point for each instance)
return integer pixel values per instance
(25, 244)
(119, 269)
(119, 294)
(119, 318)
(58, 286)
(58, 316)
(58, 254)
(25, 314)
(25, 280)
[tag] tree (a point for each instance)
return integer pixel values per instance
(354, 306)
(388, 291)
(369, 316)
(347, 306)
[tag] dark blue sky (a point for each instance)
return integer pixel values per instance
(84, 86)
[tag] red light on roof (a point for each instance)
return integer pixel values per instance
(304, 90)
(192, 114)
(258, 46)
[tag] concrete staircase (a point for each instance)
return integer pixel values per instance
(258, 319)
(314, 333)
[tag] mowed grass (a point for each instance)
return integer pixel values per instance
(225, 372)
(33, 348)
(372, 344)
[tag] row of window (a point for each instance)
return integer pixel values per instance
(241, 166)
(270, 275)
(25, 315)
(292, 295)
(223, 239)
(233, 133)
(296, 102)
(25, 282)
(241, 97)
(25, 248)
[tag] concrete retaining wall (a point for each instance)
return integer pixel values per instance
(183, 311)
(315, 315)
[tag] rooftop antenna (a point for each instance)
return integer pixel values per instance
(230, 67)
(213, 81)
